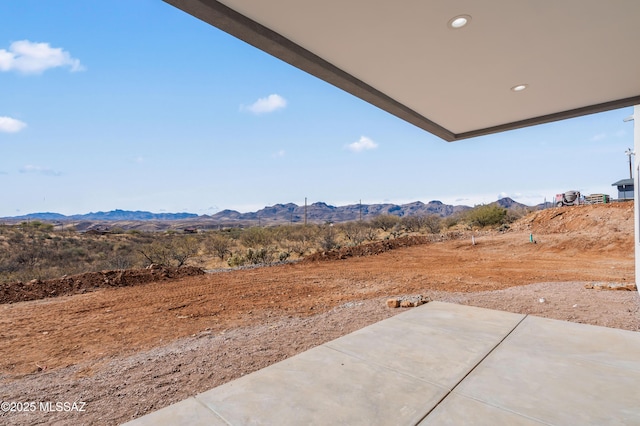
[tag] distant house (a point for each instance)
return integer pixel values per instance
(625, 189)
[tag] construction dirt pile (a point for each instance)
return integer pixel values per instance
(128, 350)
(90, 281)
(602, 219)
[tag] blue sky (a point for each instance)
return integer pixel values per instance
(136, 105)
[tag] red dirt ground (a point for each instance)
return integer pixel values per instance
(130, 350)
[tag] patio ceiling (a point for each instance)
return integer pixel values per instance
(575, 57)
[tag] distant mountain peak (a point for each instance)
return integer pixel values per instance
(508, 203)
(323, 205)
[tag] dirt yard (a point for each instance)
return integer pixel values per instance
(125, 351)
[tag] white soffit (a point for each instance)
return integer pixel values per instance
(576, 57)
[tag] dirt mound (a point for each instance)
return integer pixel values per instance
(590, 218)
(82, 283)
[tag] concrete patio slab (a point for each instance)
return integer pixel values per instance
(562, 373)
(438, 364)
(619, 348)
(439, 345)
(324, 386)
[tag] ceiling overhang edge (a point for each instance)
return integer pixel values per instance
(234, 23)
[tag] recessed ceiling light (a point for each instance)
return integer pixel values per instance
(519, 87)
(459, 21)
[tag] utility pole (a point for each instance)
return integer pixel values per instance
(629, 153)
(361, 210)
(305, 211)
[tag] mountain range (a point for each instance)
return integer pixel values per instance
(318, 212)
(112, 215)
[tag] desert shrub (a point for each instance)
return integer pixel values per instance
(171, 251)
(385, 221)
(450, 221)
(284, 255)
(297, 247)
(119, 261)
(415, 223)
(256, 237)
(432, 223)
(298, 239)
(76, 253)
(370, 233)
(28, 255)
(121, 255)
(184, 248)
(236, 259)
(233, 233)
(412, 223)
(486, 215)
(36, 225)
(305, 233)
(16, 237)
(355, 232)
(283, 232)
(156, 253)
(6, 266)
(329, 238)
(219, 245)
(396, 232)
(260, 256)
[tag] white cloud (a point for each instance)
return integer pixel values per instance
(363, 144)
(264, 105)
(30, 168)
(11, 125)
(34, 58)
(598, 137)
(279, 154)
